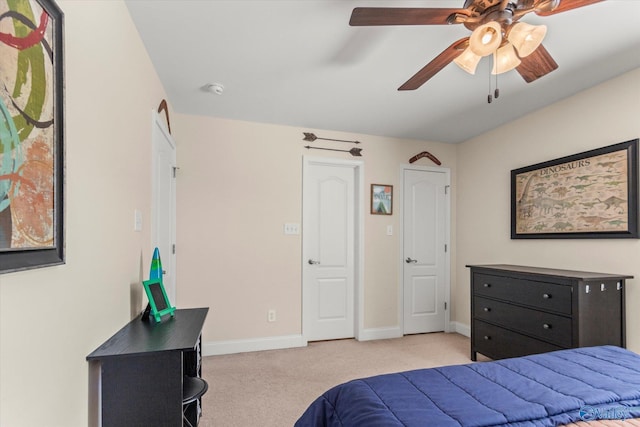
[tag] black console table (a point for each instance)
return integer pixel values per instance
(518, 310)
(135, 377)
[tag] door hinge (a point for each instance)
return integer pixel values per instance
(446, 189)
(173, 248)
(445, 305)
(175, 170)
(445, 247)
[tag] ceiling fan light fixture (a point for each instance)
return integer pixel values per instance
(468, 61)
(486, 38)
(505, 59)
(526, 37)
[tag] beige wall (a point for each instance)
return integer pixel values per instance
(51, 318)
(238, 183)
(601, 116)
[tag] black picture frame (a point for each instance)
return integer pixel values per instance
(23, 257)
(589, 195)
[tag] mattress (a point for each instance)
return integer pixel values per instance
(550, 389)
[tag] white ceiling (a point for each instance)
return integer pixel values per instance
(299, 63)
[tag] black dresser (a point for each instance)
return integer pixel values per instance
(518, 310)
(136, 376)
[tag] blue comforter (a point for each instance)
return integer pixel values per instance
(540, 390)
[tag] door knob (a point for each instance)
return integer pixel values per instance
(313, 262)
(409, 260)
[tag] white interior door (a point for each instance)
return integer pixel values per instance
(329, 214)
(425, 229)
(164, 203)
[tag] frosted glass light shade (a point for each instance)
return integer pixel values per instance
(526, 38)
(505, 59)
(486, 39)
(468, 61)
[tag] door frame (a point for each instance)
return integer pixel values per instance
(158, 123)
(359, 208)
(447, 241)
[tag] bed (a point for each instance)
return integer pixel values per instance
(550, 389)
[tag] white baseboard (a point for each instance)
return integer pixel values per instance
(216, 348)
(396, 332)
(461, 328)
(380, 333)
(257, 344)
(291, 341)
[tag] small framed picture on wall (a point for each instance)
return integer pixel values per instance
(381, 199)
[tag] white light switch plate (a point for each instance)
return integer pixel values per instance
(389, 230)
(291, 228)
(137, 220)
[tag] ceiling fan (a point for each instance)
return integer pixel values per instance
(495, 30)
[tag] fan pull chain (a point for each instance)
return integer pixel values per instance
(489, 97)
(496, 92)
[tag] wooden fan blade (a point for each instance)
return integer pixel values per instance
(568, 5)
(536, 65)
(437, 64)
(363, 16)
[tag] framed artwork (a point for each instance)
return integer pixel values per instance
(593, 194)
(31, 135)
(381, 199)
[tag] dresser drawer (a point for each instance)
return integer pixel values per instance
(498, 343)
(546, 326)
(543, 295)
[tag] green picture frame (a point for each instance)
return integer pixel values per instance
(158, 300)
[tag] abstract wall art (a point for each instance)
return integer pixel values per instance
(31, 135)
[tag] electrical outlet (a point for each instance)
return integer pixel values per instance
(271, 316)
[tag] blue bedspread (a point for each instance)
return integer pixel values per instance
(540, 390)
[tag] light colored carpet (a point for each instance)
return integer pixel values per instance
(273, 388)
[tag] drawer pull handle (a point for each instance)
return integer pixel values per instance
(487, 309)
(487, 285)
(487, 337)
(546, 296)
(546, 326)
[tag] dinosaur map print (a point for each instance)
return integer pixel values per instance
(587, 195)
